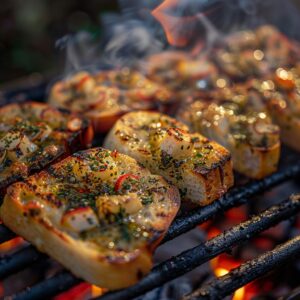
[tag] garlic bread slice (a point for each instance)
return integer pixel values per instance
(99, 213)
(33, 135)
(252, 138)
(199, 168)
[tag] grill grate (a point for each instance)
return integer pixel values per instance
(182, 263)
(194, 257)
(191, 258)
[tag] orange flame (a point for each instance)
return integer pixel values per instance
(221, 266)
(96, 291)
(11, 245)
(177, 28)
(81, 291)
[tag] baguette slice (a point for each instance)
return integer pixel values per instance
(280, 93)
(33, 135)
(99, 213)
(201, 169)
(282, 112)
(106, 96)
(252, 138)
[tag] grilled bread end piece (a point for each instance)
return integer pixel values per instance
(99, 213)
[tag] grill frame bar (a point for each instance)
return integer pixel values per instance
(50, 287)
(6, 234)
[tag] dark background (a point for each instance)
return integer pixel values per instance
(30, 28)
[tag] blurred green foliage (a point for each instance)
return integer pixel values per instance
(30, 28)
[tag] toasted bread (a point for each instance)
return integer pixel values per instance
(99, 213)
(106, 96)
(33, 135)
(199, 168)
(280, 95)
(252, 139)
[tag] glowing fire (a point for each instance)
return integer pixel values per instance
(96, 291)
(177, 28)
(11, 245)
(240, 293)
(222, 265)
(81, 291)
(180, 29)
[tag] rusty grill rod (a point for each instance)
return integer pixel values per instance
(184, 262)
(245, 273)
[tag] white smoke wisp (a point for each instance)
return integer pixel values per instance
(135, 33)
(81, 51)
(129, 42)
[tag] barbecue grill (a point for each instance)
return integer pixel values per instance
(191, 258)
(176, 266)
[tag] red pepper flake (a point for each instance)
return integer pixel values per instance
(82, 190)
(122, 179)
(114, 153)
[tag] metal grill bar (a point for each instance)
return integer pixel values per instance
(6, 234)
(48, 288)
(238, 277)
(20, 260)
(187, 260)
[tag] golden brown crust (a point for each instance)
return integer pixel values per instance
(256, 162)
(34, 210)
